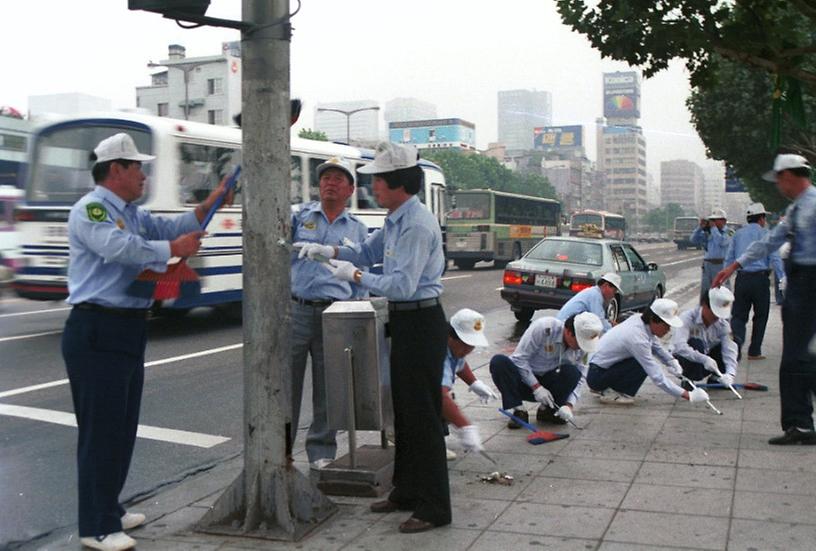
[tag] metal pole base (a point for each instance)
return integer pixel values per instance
(370, 477)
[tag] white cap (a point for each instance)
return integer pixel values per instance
(721, 301)
(391, 156)
(785, 161)
(588, 329)
(612, 278)
(339, 164)
(666, 310)
(755, 208)
(119, 146)
(469, 326)
(717, 214)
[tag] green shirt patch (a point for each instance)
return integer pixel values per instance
(96, 212)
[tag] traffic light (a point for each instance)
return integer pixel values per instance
(171, 7)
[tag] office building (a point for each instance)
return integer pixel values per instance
(408, 109)
(355, 122)
(520, 112)
(681, 183)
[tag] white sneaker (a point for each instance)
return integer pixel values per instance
(132, 520)
(109, 542)
(319, 464)
(450, 454)
(614, 397)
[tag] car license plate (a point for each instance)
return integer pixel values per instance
(545, 280)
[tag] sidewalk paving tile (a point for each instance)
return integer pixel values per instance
(593, 449)
(592, 469)
(675, 453)
(773, 481)
(673, 499)
(670, 529)
(753, 535)
(493, 541)
(388, 538)
(775, 507)
(784, 458)
(554, 520)
(696, 476)
(564, 491)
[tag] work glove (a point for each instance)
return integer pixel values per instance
(544, 397)
(482, 391)
(711, 365)
(783, 284)
(727, 379)
(698, 395)
(675, 368)
(342, 269)
(470, 439)
(312, 250)
(565, 413)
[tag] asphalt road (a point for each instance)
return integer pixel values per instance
(193, 383)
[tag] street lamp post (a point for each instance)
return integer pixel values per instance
(185, 67)
(348, 115)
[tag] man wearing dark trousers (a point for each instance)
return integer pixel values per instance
(111, 240)
(752, 289)
(409, 245)
(797, 371)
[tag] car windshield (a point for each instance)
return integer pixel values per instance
(575, 252)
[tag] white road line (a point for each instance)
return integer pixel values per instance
(455, 277)
(499, 288)
(60, 382)
(173, 436)
(31, 336)
(679, 261)
(34, 312)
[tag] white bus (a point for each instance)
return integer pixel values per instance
(598, 223)
(191, 160)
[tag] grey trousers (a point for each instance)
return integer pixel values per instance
(307, 340)
(710, 271)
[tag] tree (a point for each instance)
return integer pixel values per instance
(309, 134)
(661, 219)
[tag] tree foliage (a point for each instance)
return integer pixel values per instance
(309, 134)
(662, 219)
(472, 171)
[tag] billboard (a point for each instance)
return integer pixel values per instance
(621, 95)
(733, 184)
(558, 137)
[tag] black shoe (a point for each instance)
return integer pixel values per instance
(521, 414)
(685, 385)
(547, 415)
(794, 436)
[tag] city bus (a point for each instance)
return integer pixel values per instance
(494, 225)
(191, 159)
(598, 223)
(683, 227)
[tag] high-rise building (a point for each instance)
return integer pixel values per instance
(565, 164)
(203, 89)
(681, 183)
(352, 122)
(713, 186)
(652, 192)
(408, 109)
(519, 113)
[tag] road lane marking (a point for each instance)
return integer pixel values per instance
(455, 277)
(30, 336)
(34, 312)
(499, 288)
(60, 382)
(186, 438)
(679, 262)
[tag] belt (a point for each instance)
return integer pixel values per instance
(764, 273)
(138, 313)
(714, 260)
(312, 303)
(413, 305)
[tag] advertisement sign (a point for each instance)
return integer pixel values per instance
(622, 95)
(558, 137)
(733, 184)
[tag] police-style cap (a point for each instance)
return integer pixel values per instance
(717, 214)
(469, 326)
(721, 300)
(588, 329)
(339, 164)
(785, 161)
(666, 309)
(755, 208)
(389, 157)
(612, 278)
(119, 146)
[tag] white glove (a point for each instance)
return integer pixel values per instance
(470, 439)
(311, 250)
(711, 365)
(482, 391)
(675, 368)
(727, 379)
(544, 397)
(565, 413)
(698, 395)
(342, 269)
(783, 284)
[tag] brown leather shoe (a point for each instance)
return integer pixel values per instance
(414, 525)
(384, 506)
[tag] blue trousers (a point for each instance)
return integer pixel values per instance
(104, 357)
(797, 372)
(507, 377)
(695, 371)
(626, 376)
(751, 290)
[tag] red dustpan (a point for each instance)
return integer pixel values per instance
(537, 436)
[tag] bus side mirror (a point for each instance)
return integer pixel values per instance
(652, 266)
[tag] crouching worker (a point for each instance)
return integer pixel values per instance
(703, 345)
(466, 332)
(547, 367)
(632, 351)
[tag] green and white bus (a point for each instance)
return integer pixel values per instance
(494, 225)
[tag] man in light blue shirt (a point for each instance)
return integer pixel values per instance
(714, 236)
(752, 288)
(313, 289)
(593, 299)
(797, 371)
(111, 240)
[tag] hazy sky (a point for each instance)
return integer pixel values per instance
(456, 54)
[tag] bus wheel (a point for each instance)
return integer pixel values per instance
(524, 315)
(464, 264)
(233, 310)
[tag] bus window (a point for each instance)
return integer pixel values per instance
(365, 193)
(296, 177)
(314, 181)
(201, 169)
(470, 206)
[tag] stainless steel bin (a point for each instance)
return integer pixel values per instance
(360, 326)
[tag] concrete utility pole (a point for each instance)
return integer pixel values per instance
(270, 499)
